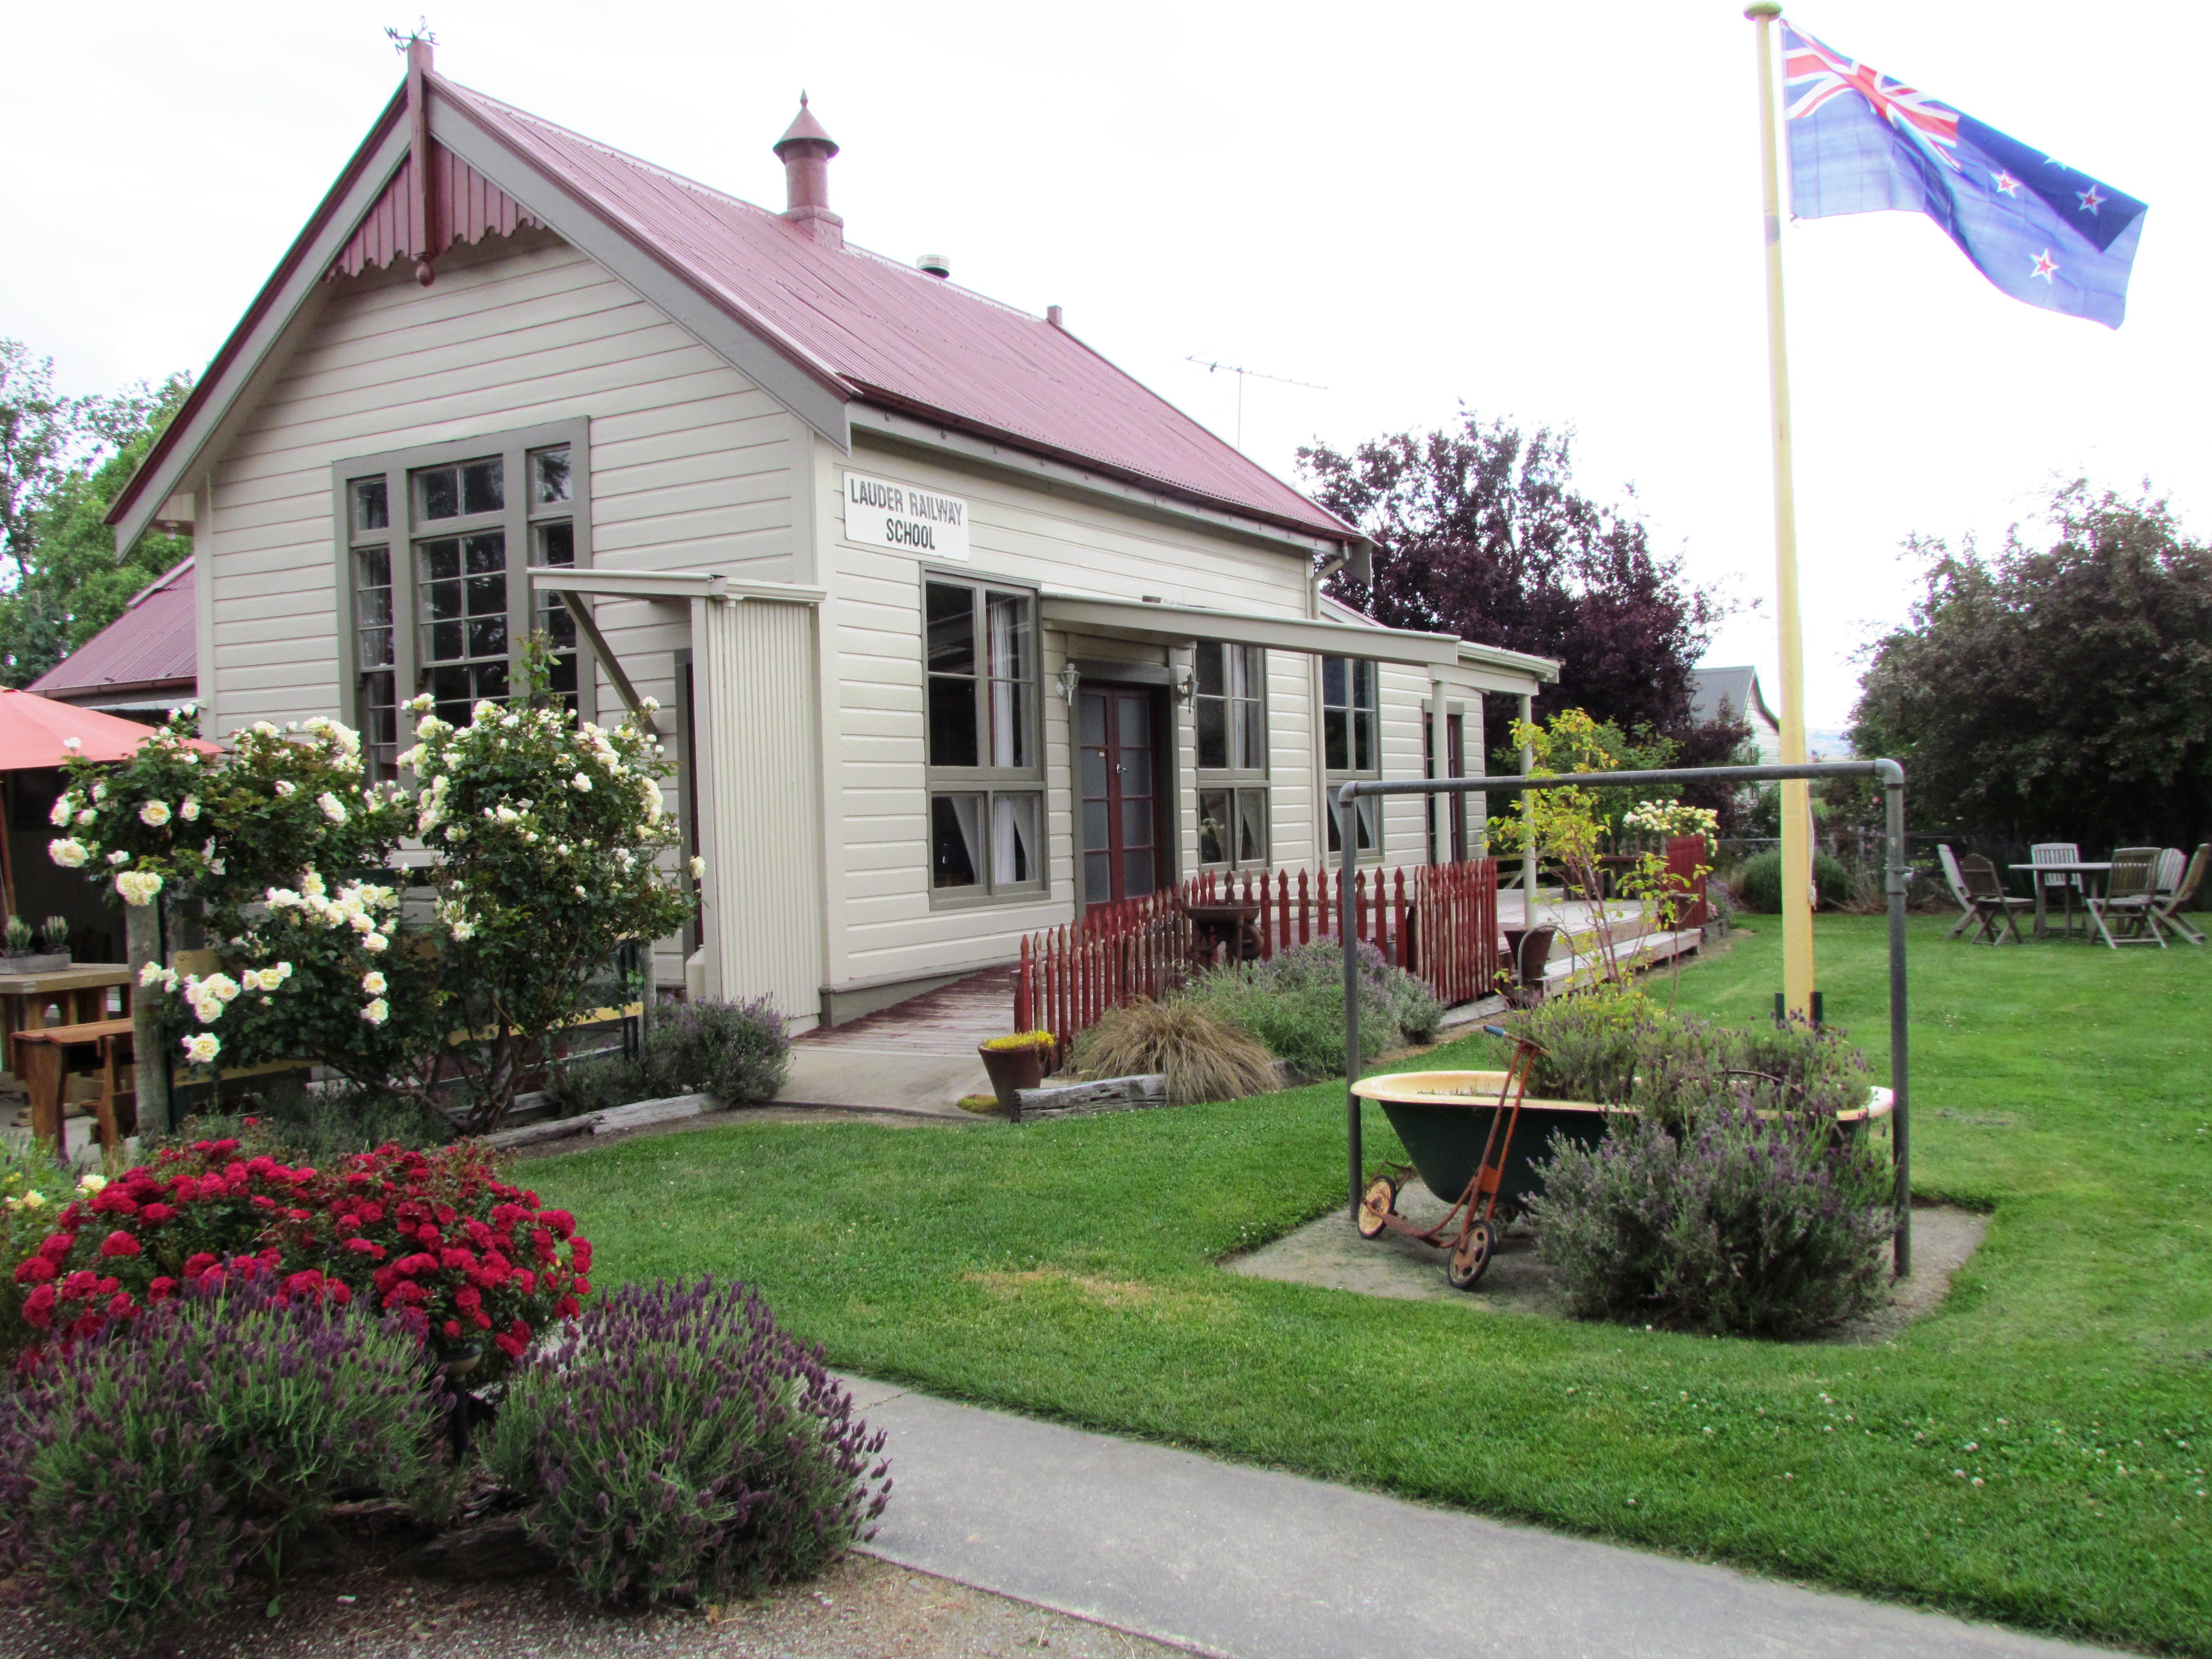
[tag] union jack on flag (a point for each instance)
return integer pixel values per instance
(1863, 141)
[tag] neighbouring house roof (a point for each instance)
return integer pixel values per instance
(861, 327)
(1737, 687)
(152, 648)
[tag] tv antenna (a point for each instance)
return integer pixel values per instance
(1242, 374)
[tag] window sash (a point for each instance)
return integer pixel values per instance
(1351, 725)
(1229, 710)
(379, 502)
(1233, 827)
(981, 717)
(987, 843)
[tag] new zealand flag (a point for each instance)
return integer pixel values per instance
(1862, 142)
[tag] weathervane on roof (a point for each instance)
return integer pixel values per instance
(420, 31)
(1241, 375)
(415, 46)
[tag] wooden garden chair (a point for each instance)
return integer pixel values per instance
(1958, 885)
(2177, 895)
(1994, 909)
(2130, 897)
(2065, 883)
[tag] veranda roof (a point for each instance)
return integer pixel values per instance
(35, 731)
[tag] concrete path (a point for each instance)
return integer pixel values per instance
(1252, 1564)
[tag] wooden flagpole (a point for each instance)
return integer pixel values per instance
(1796, 793)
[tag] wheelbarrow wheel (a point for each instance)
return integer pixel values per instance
(1470, 1257)
(1380, 1200)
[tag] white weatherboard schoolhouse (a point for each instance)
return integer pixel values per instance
(956, 629)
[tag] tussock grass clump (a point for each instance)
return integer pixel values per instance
(1201, 1056)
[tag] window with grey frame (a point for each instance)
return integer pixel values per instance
(436, 543)
(1228, 701)
(1352, 745)
(984, 753)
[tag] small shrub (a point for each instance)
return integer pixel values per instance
(1294, 1004)
(143, 1474)
(734, 1051)
(592, 1083)
(1759, 884)
(676, 1445)
(1202, 1056)
(296, 1124)
(1015, 1041)
(1757, 1224)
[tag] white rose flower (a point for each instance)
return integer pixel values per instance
(375, 944)
(377, 1011)
(222, 987)
(698, 867)
(189, 811)
(87, 816)
(421, 705)
(463, 931)
(119, 856)
(70, 853)
(580, 892)
(75, 745)
(99, 791)
(150, 973)
(138, 886)
(333, 808)
(286, 786)
(92, 1185)
(154, 813)
(581, 784)
(373, 982)
(201, 1048)
(64, 809)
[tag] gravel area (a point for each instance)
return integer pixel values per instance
(863, 1608)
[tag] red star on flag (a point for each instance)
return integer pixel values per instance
(2005, 183)
(2044, 265)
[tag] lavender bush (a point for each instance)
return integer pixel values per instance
(1757, 1223)
(1293, 1003)
(145, 1472)
(674, 1443)
(733, 1051)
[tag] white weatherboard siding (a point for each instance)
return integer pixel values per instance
(690, 463)
(883, 925)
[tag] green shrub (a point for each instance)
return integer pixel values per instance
(734, 1051)
(1758, 1224)
(1293, 1003)
(1759, 884)
(143, 1474)
(298, 1124)
(1202, 1056)
(592, 1083)
(675, 1444)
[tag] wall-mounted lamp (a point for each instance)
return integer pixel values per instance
(1185, 689)
(1069, 680)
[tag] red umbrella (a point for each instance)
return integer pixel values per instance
(35, 731)
(38, 731)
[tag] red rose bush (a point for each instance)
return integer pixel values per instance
(434, 1239)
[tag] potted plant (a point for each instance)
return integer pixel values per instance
(21, 951)
(1016, 1060)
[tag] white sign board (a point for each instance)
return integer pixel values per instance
(880, 513)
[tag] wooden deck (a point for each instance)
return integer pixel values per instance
(943, 1024)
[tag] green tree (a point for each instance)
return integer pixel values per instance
(2062, 693)
(63, 462)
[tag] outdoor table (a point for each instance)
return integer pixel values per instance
(40, 1055)
(1218, 927)
(2088, 870)
(80, 992)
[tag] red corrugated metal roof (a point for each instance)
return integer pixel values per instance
(893, 335)
(152, 643)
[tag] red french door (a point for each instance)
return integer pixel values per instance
(1121, 807)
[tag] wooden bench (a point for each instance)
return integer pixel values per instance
(41, 1058)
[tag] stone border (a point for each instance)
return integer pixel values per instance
(637, 1113)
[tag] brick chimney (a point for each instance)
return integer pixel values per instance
(805, 150)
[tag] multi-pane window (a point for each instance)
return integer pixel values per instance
(436, 542)
(1228, 701)
(986, 775)
(1352, 744)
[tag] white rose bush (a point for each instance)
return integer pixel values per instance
(546, 842)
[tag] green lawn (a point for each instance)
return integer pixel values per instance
(1065, 1269)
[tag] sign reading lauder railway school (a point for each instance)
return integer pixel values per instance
(879, 513)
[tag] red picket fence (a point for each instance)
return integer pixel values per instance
(1441, 926)
(1684, 855)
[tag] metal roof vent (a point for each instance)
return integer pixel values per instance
(805, 149)
(934, 265)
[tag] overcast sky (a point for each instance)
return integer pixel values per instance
(1544, 212)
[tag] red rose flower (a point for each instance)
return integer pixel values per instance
(34, 1270)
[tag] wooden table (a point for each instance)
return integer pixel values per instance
(40, 1057)
(79, 992)
(2086, 871)
(1218, 927)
